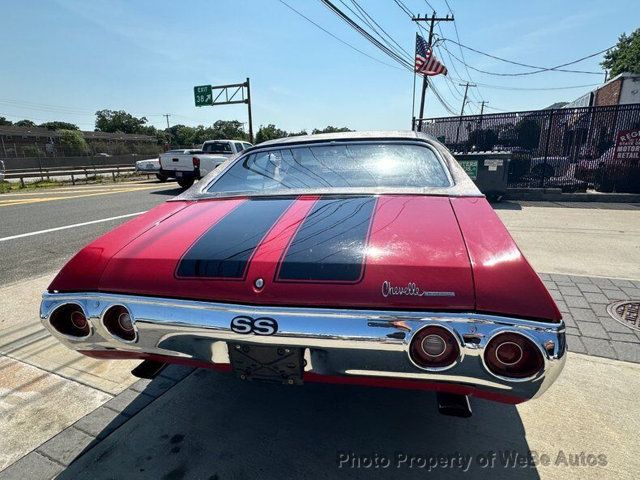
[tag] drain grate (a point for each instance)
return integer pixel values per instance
(627, 313)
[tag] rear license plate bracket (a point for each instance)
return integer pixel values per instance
(267, 363)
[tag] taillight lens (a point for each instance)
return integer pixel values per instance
(196, 162)
(70, 320)
(434, 347)
(512, 355)
(117, 320)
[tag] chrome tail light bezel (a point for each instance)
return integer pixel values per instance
(455, 336)
(540, 350)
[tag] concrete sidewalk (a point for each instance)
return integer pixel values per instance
(210, 425)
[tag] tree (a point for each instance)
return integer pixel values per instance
(120, 121)
(270, 132)
(228, 130)
(59, 126)
(331, 129)
(625, 56)
(483, 139)
(24, 123)
(527, 133)
(297, 134)
(5, 122)
(73, 142)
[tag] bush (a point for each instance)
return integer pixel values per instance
(73, 142)
(31, 151)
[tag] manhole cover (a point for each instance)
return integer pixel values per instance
(627, 313)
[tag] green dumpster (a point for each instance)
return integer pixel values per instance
(489, 171)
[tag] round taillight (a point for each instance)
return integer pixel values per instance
(513, 355)
(70, 320)
(434, 347)
(117, 320)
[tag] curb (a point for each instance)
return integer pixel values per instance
(556, 195)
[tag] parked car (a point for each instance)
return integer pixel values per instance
(102, 154)
(190, 165)
(149, 166)
(352, 258)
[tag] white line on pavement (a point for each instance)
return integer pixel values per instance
(49, 230)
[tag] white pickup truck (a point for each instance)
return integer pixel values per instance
(189, 165)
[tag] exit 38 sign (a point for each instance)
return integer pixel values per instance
(203, 95)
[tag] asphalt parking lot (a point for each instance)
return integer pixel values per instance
(68, 415)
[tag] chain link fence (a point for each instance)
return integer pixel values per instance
(573, 148)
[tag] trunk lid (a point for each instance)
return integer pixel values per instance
(389, 251)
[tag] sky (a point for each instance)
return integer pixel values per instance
(65, 59)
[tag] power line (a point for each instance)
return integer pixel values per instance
(541, 70)
(404, 7)
(364, 12)
(455, 27)
(386, 50)
(513, 62)
(532, 89)
(336, 37)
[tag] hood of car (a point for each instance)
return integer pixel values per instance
(388, 251)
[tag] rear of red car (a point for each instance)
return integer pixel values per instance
(402, 286)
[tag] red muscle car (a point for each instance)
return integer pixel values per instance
(356, 258)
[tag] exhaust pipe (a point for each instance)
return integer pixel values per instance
(453, 405)
(148, 369)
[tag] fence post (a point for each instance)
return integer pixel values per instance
(73, 180)
(113, 174)
(22, 182)
(546, 149)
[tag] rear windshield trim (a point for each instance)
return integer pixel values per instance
(459, 184)
(254, 151)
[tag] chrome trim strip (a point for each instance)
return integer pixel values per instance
(336, 341)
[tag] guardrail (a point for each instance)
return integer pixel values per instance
(74, 173)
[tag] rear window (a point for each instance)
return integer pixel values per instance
(389, 165)
(217, 147)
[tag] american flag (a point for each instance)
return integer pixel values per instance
(426, 61)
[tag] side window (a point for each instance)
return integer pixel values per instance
(239, 146)
(247, 145)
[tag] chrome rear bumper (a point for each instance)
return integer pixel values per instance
(345, 343)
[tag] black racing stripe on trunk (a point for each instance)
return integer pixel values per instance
(330, 244)
(225, 250)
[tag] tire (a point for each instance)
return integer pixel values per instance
(162, 177)
(186, 182)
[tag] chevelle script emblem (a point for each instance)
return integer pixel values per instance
(410, 290)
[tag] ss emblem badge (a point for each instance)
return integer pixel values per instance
(258, 326)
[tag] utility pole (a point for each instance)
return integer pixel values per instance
(466, 89)
(425, 82)
(464, 101)
(482, 104)
(167, 115)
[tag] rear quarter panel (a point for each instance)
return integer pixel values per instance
(505, 282)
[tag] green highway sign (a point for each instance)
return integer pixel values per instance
(203, 95)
